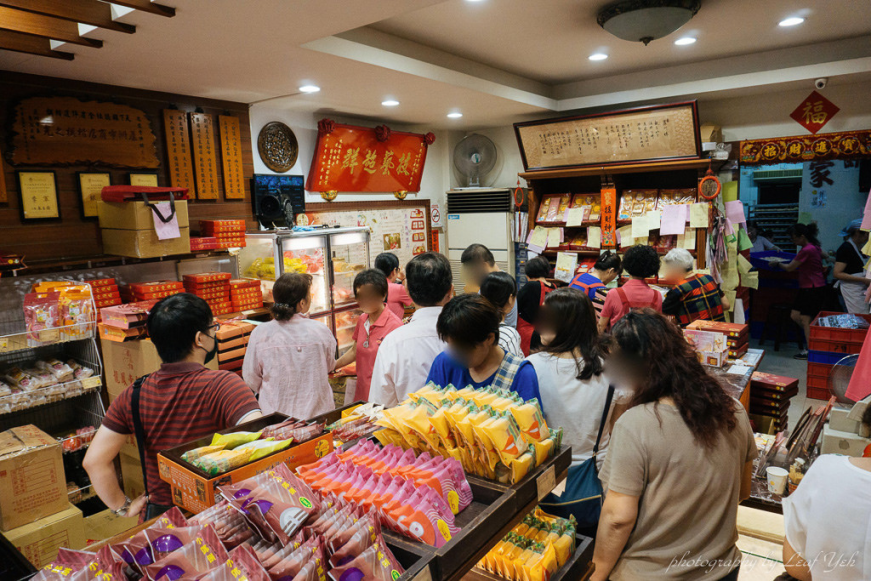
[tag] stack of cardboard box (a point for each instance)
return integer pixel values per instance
(245, 294)
(128, 230)
(228, 233)
(845, 434)
(737, 335)
(123, 323)
(232, 343)
(35, 513)
(769, 401)
(212, 287)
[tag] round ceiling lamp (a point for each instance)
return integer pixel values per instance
(647, 20)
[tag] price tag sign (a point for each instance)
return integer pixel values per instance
(546, 482)
(92, 382)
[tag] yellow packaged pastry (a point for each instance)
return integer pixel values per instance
(543, 450)
(262, 448)
(220, 462)
(428, 388)
(197, 453)
(442, 426)
(531, 421)
(418, 421)
(388, 436)
(521, 466)
(230, 441)
(504, 434)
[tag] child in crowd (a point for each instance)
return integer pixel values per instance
(500, 289)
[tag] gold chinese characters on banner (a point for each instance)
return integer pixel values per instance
(205, 160)
(659, 132)
(799, 148)
(231, 157)
(68, 131)
(178, 150)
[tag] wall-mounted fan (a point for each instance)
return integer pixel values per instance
(474, 158)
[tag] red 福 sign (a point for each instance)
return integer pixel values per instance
(814, 112)
(348, 158)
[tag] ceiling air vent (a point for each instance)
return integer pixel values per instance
(779, 175)
(473, 200)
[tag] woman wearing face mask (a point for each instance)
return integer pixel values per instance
(288, 360)
(370, 290)
(469, 324)
(678, 464)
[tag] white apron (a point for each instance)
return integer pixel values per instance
(854, 292)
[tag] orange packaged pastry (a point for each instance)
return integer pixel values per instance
(543, 209)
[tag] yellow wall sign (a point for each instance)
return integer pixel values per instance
(38, 195)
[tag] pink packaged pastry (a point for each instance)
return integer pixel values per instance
(191, 561)
(242, 565)
(376, 563)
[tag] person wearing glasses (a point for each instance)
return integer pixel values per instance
(180, 402)
(469, 324)
(289, 359)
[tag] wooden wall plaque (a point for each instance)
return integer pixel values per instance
(69, 131)
(651, 133)
(178, 150)
(231, 157)
(205, 161)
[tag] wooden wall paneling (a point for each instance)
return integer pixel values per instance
(178, 151)
(73, 237)
(231, 157)
(205, 160)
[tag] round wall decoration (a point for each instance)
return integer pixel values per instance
(277, 146)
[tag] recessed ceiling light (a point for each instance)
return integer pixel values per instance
(455, 115)
(794, 21)
(685, 41)
(390, 103)
(598, 56)
(309, 88)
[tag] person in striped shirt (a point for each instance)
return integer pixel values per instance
(500, 289)
(595, 283)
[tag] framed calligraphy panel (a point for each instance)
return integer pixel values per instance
(178, 150)
(38, 191)
(68, 131)
(231, 157)
(205, 161)
(799, 148)
(348, 158)
(644, 134)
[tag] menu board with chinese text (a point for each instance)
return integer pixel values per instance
(231, 157)
(68, 131)
(661, 132)
(353, 159)
(205, 160)
(178, 150)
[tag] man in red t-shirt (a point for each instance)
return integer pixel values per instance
(180, 402)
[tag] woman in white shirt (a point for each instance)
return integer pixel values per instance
(828, 520)
(570, 373)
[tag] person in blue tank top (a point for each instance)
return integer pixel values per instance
(469, 324)
(594, 283)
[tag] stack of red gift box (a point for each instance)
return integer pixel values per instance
(146, 291)
(105, 292)
(213, 287)
(737, 335)
(245, 294)
(228, 233)
(200, 243)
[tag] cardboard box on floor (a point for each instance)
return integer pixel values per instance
(106, 524)
(39, 541)
(194, 490)
(846, 443)
(32, 480)
(131, 474)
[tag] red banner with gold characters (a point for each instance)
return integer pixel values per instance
(807, 148)
(609, 213)
(814, 112)
(364, 159)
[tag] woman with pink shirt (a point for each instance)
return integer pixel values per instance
(397, 296)
(288, 360)
(811, 278)
(639, 262)
(370, 289)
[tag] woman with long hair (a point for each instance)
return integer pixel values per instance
(678, 463)
(811, 278)
(570, 369)
(530, 297)
(288, 360)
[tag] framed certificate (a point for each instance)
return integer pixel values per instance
(143, 178)
(90, 187)
(38, 190)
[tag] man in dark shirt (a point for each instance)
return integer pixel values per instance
(180, 402)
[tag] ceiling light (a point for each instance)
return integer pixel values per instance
(390, 103)
(309, 89)
(597, 56)
(685, 41)
(455, 115)
(647, 20)
(794, 21)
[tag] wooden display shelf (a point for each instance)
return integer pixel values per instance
(104, 260)
(696, 164)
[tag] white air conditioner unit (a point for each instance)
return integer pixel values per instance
(482, 216)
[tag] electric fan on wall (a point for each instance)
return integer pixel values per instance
(474, 158)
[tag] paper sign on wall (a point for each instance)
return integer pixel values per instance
(594, 237)
(565, 266)
(699, 215)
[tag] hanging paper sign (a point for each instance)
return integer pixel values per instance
(609, 221)
(67, 131)
(348, 158)
(799, 148)
(178, 150)
(814, 112)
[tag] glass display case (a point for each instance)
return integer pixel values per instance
(333, 256)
